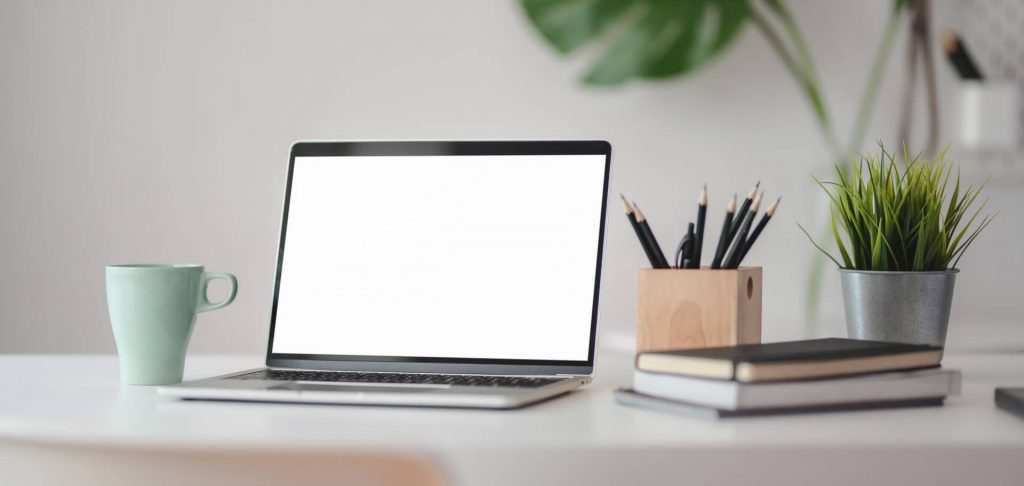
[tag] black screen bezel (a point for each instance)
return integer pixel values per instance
(428, 148)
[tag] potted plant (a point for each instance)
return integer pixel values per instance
(900, 228)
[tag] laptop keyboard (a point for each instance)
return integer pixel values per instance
(397, 378)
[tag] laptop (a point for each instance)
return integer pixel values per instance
(449, 274)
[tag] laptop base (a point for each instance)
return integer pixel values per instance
(229, 389)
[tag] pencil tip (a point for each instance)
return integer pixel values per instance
(949, 41)
(638, 212)
(629, 209)
(753, 190)
(703, 198)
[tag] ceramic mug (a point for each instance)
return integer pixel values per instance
(152, 311)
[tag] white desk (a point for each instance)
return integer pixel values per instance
(582, 438)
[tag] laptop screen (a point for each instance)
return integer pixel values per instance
(461, 257)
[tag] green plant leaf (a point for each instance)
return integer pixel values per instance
(840, 244)
(639, 38)
(960, 252)
(897, 215)
(954, 245)
(816, 245)
(567, 25)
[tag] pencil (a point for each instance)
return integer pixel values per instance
(757, 231)
(698, 235)
(958, 56)
(732, 261)
(646, 229)
(742, 213)
(631, 214)
(723, 239)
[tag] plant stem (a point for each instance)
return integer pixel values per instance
(776, 42)
(802, 51)
(870, 96)
(931, 144)
(804, 55)
(804, 78)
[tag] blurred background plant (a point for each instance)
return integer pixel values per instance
(661, 39)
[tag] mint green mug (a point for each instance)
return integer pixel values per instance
(152, 311)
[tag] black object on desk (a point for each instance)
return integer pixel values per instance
(1011, 400)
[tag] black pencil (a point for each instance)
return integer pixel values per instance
(698, 234)
(742, 213)
(646, 229)
(958, 56)
(630, 213)
(757, 231)
(723, 239)
(732, 260)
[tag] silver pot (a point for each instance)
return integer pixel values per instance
(907, 307)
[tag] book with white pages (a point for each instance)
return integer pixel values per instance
(733, 395)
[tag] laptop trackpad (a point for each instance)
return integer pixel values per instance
(354, 387)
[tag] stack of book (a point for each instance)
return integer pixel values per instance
(799, 376)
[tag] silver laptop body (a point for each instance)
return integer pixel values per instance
(449, 274)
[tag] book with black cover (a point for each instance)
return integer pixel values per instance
(630, 397)
(1011, 400)
(815, 358)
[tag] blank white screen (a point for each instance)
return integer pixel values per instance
(488, 257)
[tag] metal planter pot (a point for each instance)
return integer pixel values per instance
(907, 307)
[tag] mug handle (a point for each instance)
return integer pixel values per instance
(204, 285)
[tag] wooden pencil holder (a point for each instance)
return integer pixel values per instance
(684, 309)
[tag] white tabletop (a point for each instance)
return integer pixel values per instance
(79, 399)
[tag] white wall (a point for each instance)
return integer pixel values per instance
(158, 131)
